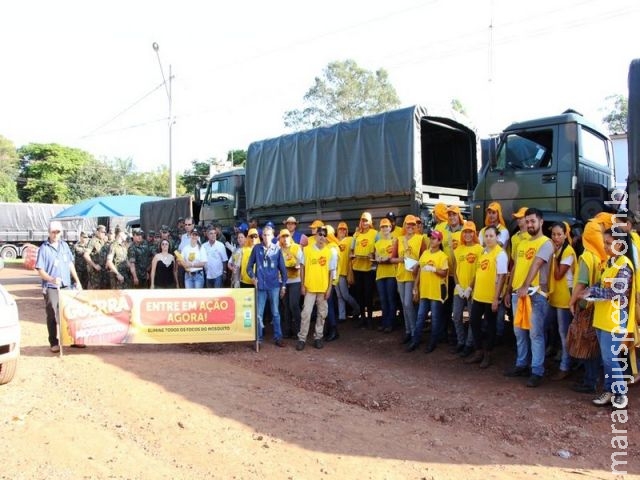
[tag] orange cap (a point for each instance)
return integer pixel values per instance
(469, 225)
(317, 224)
(385, 222)
(519, 213)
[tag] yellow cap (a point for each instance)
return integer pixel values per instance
(519, 213)
(317, 224)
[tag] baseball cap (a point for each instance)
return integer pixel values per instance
(55, 226)
(366, 216)
(468, 225)
(454, 209)
(317, 224)
(390, 216)
(519, 213)
(252, 231)
(385, 222)
(494, 206)
(343, 225)
(284, 233)
(290, 220)
(410, 219)
(270, 224)
(436, 234)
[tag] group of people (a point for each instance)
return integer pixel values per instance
(537, 281)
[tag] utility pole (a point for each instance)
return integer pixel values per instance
(167, 87)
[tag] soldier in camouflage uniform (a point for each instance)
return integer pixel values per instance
(93, 259)
(105, 279)
(118, 263)
(80, 263)
(152, 245)
(139, 259)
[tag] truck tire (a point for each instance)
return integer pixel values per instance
(8, 370)
(9, 252)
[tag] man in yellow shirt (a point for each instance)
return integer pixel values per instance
(530, 277)
(317, 274)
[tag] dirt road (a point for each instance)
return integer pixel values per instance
(361, 408)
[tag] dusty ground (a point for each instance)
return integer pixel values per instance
(360, 408)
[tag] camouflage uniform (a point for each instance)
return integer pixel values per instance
(121, 261)
(140, 257)
(105, 278)
(82, 269)
(94, 248)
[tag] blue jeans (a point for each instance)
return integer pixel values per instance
(462, 333)
(563, 316)
(405, 290)
(194, 281)
(387, 288)
(436, 307)
(345, 297)
(530, 343)
(273, 295)
(613, 368)
(214, 282)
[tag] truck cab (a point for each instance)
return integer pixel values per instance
(224, 201)
(562, 165)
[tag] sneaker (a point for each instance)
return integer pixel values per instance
(411, 347)
(466, 351)
(534, 381)
(619, 401)
(318, 344)
(55, 348)
(279, 342)
(603, 399)
(78, 345)
(300, 345)
(517, 372)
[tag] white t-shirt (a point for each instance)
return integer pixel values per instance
(216, 256)
(194, 254)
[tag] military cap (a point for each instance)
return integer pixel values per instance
(101, 228)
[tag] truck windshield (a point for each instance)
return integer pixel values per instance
(525, 150)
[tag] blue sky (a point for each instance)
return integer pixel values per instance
(84, 74)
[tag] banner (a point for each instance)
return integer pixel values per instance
(109, 317)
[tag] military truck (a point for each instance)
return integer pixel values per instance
(403, 161)
(562, 165)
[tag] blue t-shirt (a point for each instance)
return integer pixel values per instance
(55, 261)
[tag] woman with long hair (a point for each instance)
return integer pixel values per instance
(164, 268)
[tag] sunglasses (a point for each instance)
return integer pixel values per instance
(321, 234)
(253, 236)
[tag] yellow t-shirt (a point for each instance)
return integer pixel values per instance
(608, 312)
(246, 253)
(408, 249)
(397, 232)
(363, 246)
(432, 286)
(316, 269)
(559, 293)
(291, 260)
(450, 242)
(384, 248)
(466, 263)
(343, 255)
(525, 257)
(484, 288)
(515, 241)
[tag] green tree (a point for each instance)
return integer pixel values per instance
(237, 158)
(345, 91)
(458, 107)
(617, 112)
(8, 171)
(48, 170)
(198, 174)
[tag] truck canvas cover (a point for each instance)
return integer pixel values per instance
(402, 152)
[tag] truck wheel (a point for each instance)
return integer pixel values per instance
(9, 252)
(8, 370)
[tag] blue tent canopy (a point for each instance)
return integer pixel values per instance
(113, 206)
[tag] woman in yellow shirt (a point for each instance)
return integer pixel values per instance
(560, 286)
(487, 286)
(386, 275)
(431, 288)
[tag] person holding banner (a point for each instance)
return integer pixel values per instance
(267, 271)
(55, 265)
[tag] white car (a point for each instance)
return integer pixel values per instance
(9, 335)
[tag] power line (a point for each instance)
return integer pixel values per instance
(91, 133)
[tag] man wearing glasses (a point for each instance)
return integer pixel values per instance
(55, 266)
(267, 271)
(185, 240)
(317, 273)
